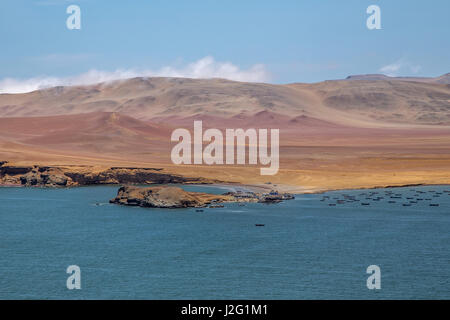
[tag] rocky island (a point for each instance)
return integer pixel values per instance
(175, 197)
(165, 197)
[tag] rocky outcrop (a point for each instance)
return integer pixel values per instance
(126, 175)
(50, 178)
(53, 176)
(32, 176)
(166, 197)
(14, 170)
(174, 197)
(275, 197)
(272, 197)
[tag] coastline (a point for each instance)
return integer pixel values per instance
(296, 189)
(234, 187)
(66, 176)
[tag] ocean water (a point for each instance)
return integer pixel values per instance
(306, 250)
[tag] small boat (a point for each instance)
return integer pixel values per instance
(199, 210)
(407, 205)
(434, 204)
(391, 202)
(260, 225)
(365, 204)
(332, 204)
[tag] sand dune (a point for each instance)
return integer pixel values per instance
(100, 133)
(314, 154)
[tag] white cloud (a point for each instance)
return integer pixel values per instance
(394, 69)
(203, 68)
(391, 69)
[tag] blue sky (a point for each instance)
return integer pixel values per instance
(288, 41)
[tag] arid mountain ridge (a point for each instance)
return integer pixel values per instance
(365, 101)
(444, 79)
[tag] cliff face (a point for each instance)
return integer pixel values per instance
(165, 197)
(81, 176)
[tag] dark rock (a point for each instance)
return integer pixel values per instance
(14, 170)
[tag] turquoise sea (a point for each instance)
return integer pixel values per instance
(306, 250)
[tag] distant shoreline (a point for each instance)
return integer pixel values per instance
(284, 188)
(234, 187)
(65, 176)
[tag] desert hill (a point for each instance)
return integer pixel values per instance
(357, 103)
(98, 133)
(333, 134)
(444, 79)
(404, 102)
